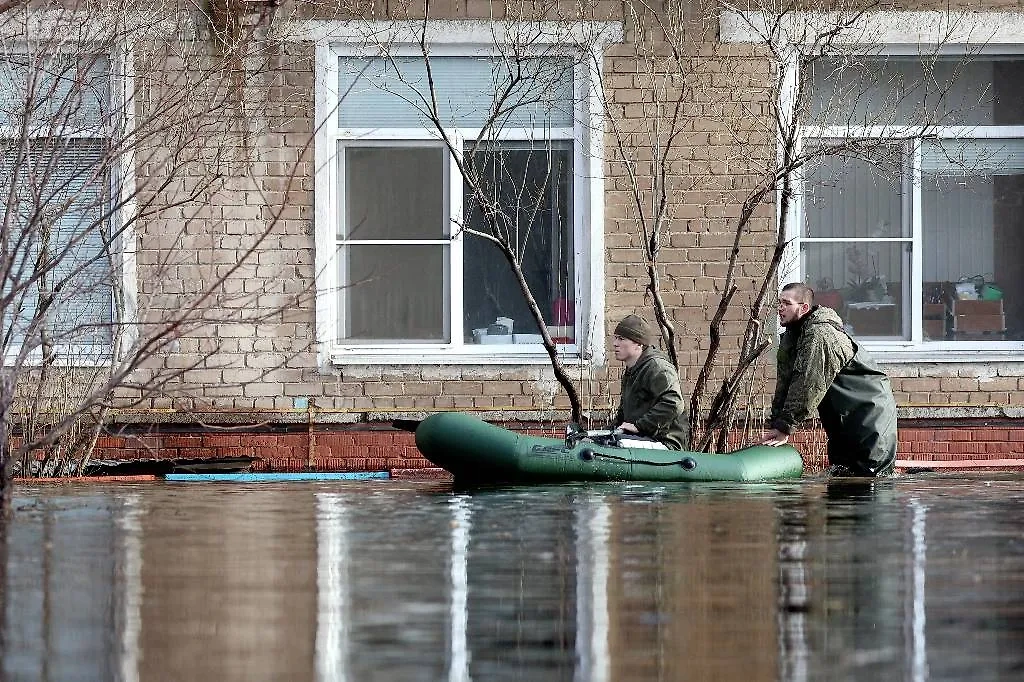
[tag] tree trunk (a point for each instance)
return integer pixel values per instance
(6, 480)
(563, 378)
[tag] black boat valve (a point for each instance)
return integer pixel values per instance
(688, 463)
(586, 454)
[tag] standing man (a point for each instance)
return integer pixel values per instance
(820, 366)
(651, 404)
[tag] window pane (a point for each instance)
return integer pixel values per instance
(394, 293)
(394, 193)
(855, 196)
(863, 90)
(62, 274)
(57, 90)
(533, 92)
(972, 198)
(531, 189)
(862, 281)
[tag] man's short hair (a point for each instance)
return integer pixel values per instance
(802, 292)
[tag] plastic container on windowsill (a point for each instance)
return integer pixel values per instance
(966, 291)
(991, 292)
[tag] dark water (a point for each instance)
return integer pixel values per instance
(918, 578)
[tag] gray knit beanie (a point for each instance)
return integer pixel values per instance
(635, 328)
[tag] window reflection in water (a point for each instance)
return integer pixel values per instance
(816, 580)
(73, 589)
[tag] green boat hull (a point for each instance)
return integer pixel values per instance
(475, 451)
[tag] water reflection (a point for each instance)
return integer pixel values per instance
(914, 579)
(919, 547)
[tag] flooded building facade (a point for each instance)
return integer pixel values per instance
(323, 217)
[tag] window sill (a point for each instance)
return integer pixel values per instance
(67, 357)
(464, 355)
(893, 353)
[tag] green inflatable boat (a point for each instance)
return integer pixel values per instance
(475, 451)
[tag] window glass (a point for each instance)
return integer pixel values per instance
(528, 187)
(394, 293)
(854, 199)
(855, 195)
(54, 189)
(396, 290)
(407, 243)
(61, 273)
(858, 90)
(395, 92)
(862, 281)
(70, 90)
(394, 193)
(972, 199)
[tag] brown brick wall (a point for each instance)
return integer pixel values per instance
(269, 363)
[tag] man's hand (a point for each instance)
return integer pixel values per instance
(774, 437)
(628, 428)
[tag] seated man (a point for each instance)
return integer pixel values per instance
(651, 404)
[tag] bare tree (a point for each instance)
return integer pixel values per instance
(120, 126)
(749, 151)
(677, 60)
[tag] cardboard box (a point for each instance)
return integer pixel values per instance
(934, 329)
(978, 323)
(934, 315)
(977, 307)
(975, 317)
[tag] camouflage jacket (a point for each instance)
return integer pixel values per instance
(652, 401)
(811, 353)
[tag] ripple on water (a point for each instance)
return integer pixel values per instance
(919, 577)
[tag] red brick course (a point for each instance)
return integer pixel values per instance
(377, 447)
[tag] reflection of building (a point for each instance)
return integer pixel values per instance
(246, 588)
(68, 606)
(839, 582)
(692, 591)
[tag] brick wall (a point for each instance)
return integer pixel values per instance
(259, 356)
(381, 448)
(364, 449)
(970, 442)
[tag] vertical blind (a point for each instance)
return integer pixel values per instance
(56, 238)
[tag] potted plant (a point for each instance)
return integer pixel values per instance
(865, 283)
(827, 295)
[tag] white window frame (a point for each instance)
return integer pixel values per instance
(120, 190)
(460, 38)
(892, 34)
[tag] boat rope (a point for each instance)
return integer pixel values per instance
(685, 462)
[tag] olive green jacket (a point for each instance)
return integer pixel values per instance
(811, 354)
(821, 367)
(651, 400)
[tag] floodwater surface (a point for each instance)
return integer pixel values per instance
(919, 578)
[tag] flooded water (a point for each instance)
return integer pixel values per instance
(916, 578)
